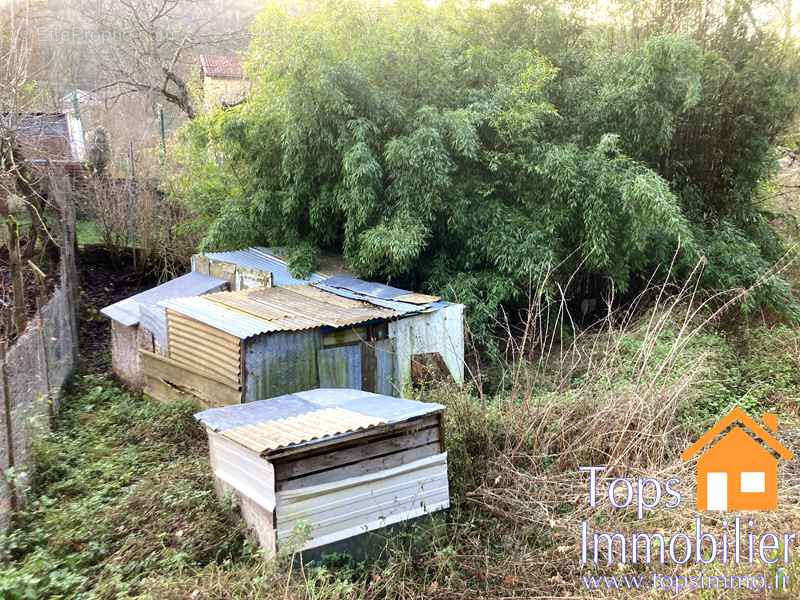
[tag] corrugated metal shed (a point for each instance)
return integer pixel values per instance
(247, 313)
(128, 311)
(306, 417)
(264, 259)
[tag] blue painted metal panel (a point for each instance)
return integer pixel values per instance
(340, 367)
(401, 307)
(281, 363)
(367, 288)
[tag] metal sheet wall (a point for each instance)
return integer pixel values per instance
(340, 367)
(200, 347)
(441, 331)
(281, 363)
(348, 507)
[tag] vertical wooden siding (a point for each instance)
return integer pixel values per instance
(281, 363)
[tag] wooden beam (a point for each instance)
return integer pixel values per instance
(330, 444)
(363, 467)
(359, 452)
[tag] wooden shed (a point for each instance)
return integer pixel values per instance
(234, 347)
(325, 465)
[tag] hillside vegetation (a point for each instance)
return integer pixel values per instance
(122, 503)
(468, 149)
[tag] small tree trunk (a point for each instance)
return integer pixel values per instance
(17, 280)
(41, 280)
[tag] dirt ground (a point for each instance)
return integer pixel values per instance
(105, 279)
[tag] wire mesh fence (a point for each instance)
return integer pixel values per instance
(34, 370)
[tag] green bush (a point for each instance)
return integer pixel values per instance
(469, 150)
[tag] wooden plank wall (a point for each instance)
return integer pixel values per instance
(360, 456)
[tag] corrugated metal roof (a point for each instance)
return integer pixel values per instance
(262, 310)
(307, 417)
(128, 311)
(314, 425)
(366, 288)
(401, 301)
(263, 259)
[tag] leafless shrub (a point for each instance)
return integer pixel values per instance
(134, 215)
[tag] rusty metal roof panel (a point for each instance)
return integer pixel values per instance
(262, 310)
(308, 417)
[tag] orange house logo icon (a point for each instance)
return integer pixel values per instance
(739, 470)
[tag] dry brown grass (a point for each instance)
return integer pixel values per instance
(621, 394)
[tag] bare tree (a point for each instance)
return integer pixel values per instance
(150, 46)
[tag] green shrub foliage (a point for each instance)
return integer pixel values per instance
(466, 149)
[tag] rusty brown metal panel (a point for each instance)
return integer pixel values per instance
(196, 346)
(251, 312)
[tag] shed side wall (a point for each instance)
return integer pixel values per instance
(441, 331)
(384, 450)
(203, 348)
(251, 479)
(341, 509)
(125, 354)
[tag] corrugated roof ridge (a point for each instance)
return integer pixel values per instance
(342, 320)
(315, 425)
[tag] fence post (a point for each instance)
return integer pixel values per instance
(17, 281)
(8, 432)
(45, 359)
(69, 270)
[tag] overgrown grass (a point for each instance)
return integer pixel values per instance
(88, 233)
(122, 503)
(121, 492)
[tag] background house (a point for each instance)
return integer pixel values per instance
(56, 138)
(224, 83)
